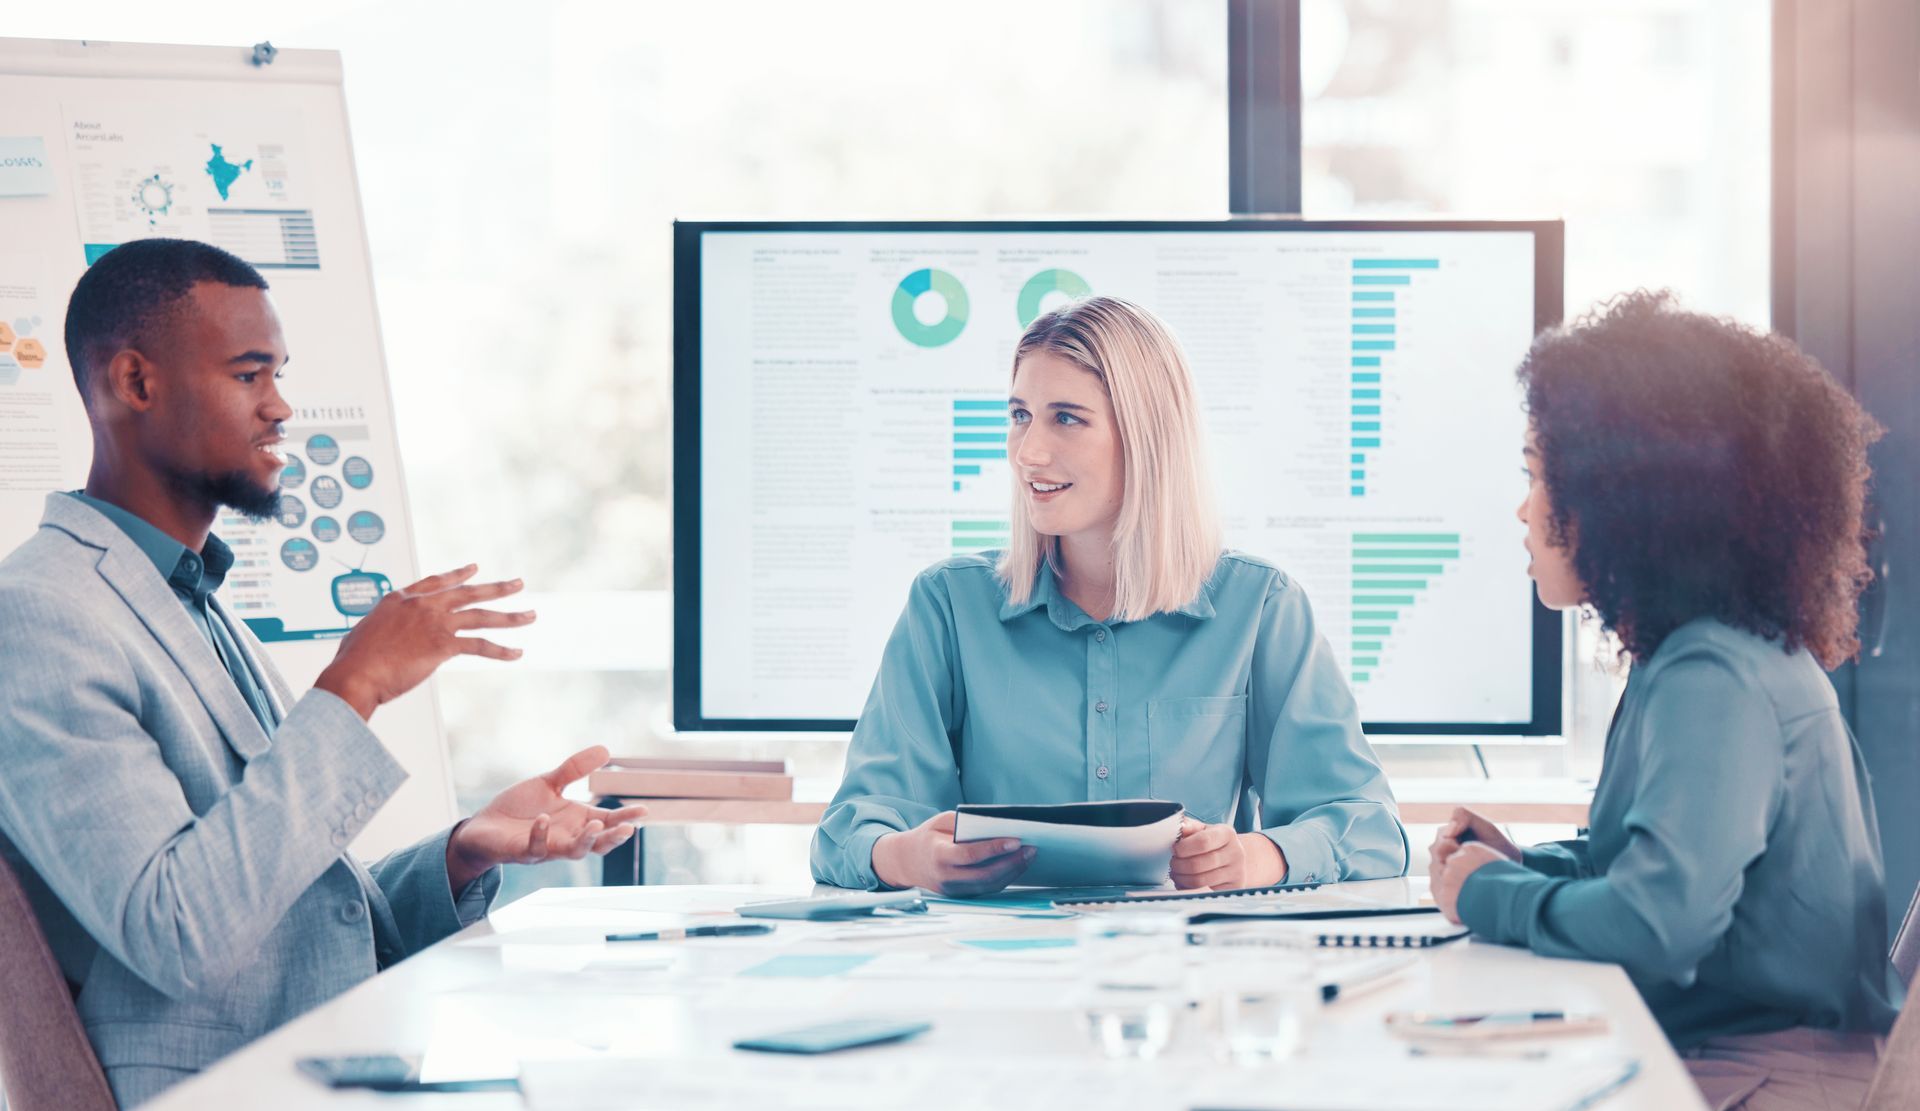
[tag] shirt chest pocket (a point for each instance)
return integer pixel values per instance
(1195, 752)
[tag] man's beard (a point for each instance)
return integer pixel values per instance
(232, 489)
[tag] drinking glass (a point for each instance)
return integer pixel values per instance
(1133, 980)
(1268, 1003)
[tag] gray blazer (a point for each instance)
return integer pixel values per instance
(190, 873)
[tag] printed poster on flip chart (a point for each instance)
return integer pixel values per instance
(43, 436)
(105, 143)
(229, 177)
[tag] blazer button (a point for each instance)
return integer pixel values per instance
(373, 798)
(352, 912)
(361, 812)
(339, 838)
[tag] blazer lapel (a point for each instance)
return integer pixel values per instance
(132, 575)
(279, 696)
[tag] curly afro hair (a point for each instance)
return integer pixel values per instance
(1700, 468)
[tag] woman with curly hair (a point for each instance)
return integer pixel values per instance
(1701, 486)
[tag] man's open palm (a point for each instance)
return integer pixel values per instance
(530, 822)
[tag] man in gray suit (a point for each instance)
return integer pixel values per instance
(179, 819)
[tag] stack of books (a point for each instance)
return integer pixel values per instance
(673, 778)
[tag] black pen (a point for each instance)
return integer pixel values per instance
(1364, 975)
(737, 929)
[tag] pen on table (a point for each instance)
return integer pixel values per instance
(1449, 1049)
(1360, 979)
(737, 929)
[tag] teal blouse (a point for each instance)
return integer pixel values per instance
(1733, 862)
(1232, 706)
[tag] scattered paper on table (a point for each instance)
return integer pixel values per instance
(1017, 944)
(808, 965)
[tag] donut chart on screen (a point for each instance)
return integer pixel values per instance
(947, 328)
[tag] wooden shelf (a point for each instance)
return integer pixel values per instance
(1422, 802)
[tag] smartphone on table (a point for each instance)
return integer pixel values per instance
(386, 1072)
(1493, 1025)
(827, 1037)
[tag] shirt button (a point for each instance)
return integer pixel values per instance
(1101, 771)
(352, 912)
(373, 798)
(1099, 707)
(339, 838)
(362, 812)
(1100, 634)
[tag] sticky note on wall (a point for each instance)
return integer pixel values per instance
(24, 169)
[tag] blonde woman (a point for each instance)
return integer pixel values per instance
(1113, 652)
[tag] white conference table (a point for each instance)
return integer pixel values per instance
(649, 1024)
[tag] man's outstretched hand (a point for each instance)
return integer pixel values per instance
(411, 632)
(530, 822)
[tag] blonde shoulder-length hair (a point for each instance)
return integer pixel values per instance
(1167, 540)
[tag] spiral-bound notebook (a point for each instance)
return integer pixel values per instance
(1414, 929)
(1152, 898)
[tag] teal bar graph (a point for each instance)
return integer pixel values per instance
(1390, 569)
(979, 536)
(979, 433)
(1374, 332)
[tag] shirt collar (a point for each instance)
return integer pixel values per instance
(1063, 612)
(193, 574)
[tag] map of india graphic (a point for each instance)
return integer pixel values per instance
(223, 172)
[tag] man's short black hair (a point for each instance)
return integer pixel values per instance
(127, 297)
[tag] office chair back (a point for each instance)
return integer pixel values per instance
(1896, 1083)
(46, 1062)
(1906, 943)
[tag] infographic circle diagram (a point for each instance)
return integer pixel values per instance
(299, 554)
(366, 527)
(326, 492)
(1043, 283)
(357, 471)
(323, 449)
(326, 529)
(293, 474)
(947, 328)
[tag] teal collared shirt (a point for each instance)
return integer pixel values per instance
(1733, 862)
(1233, 706)
(194, 576)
